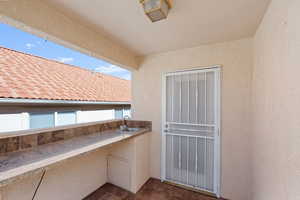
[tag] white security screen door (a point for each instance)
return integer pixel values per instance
(190, 136)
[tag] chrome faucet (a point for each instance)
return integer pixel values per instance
(125, 126)
(126, 117)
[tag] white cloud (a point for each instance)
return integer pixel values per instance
(109, 69)
(65, 59)
(29, 45)
(114, 71)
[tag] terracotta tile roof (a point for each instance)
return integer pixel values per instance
(31, 77)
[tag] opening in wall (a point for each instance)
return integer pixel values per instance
(39, 74)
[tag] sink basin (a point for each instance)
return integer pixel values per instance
(130, 129)
(133, 129)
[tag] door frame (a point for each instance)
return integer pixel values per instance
(217, 146)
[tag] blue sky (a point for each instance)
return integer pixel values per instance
(13, 38)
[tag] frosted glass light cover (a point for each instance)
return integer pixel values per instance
(151, 5)
(156, 9)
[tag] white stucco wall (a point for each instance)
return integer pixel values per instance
(276, 97)
(236, 58)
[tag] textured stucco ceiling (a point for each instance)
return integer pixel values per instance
(190, 22)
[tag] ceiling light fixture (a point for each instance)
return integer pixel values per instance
(156, 10)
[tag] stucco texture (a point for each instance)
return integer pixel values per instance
(276, 95)
(236, 59)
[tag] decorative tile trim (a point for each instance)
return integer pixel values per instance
(9, 144)
(139, 124)
(46, 136)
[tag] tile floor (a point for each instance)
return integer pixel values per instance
(153, 190)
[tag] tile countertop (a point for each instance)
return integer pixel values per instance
(18, 165)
